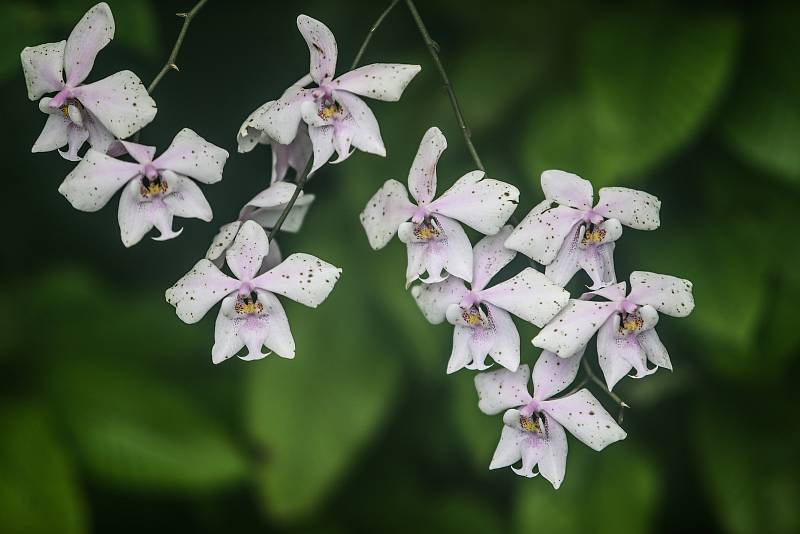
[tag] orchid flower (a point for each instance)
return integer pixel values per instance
(114, 106)
(153, 190)
(251, 315)
(574, 235)
(627, 338)
(533, 430)
(294, 155)
(436, 242)
(224, 239)
(338, 120)
(481, 315)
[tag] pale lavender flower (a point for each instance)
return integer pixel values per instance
(627, 338)
(533, 430)
(338, 120)
(251, 315)
(573, 235)
(153, 190)
(436, 242)
(114, 106)
(482, 315)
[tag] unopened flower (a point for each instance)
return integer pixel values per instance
(338, 120)
(154, 190)
(627, 338)
(481, 315)
(533, 430)
(251, 315)
(574, 235)
(116, 106)
(436, 242)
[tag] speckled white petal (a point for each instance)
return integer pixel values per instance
(322, 142)
(568, 260)
(503, 389)
(654, 349)
(366, 135)
(529, 295)
(598, 263)
(434, 299)
(76, 137)
(321, 47)
(461, 354)
(541, 233)
(185, 199)
(552, 374)
(481, 203)
(43, 68)
(54, 134)
(422, 176)
(667, 294)
(573, 327)
(277, 336)
(120, 102)
(191, 155)
(585, 418)
(251, 132)
(385, 211)
(198, 290)
(245, 255)
(615, 292)
(226, 331)
(301, 277)
(277, 194)
(490, 255)
(509, 450)
(137, 215)
(504, 338)
(567, 189)
(457, 249)
(93, 32)
(99, 137)
(221, 242)
(636, 209)
(93, 182)
(268, 217)
(282, 120)
(617, 354)
(382, 81)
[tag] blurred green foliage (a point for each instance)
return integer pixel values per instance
(113, 419)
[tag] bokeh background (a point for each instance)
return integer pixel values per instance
(113, 419)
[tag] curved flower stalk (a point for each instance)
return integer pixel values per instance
(153, 190)
(436, 242)
(250, 315)
(338, 120)
(533, 430)
(574, 235)
(481, 315)
(116, 106)
(627, 338)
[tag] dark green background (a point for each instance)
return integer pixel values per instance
(113, 419)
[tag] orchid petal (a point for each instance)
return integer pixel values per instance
(489, 256)
(541, 233)
(301, 277)
(665, 293)
(185, 199)
(585, 418)
(245, 255)
(615, 292)
(76, 137)
(573, 327)
(503, 389)
(567, 189)
(553, 459)
(42, 66)
(93, 32)
(552, 374)
(321, 47)
(508, 451)
(618, 354)
(99, 137)
(93, 182)
(636, 209)
(385, 211)
(267, 217)
(422, 176)
(143, 154)
(227, 341)
(191, 155)
(198, 290)
(481, 203)
(434, 299)
(322, 141)
(654, 349)
(381, 81)
(598, 263)
(137, 215)
(55, 134)
(505, 348)
(461, 354)
(120, 102)
(221, 242)
(529, 295)
(569, 258)
(251, 132)
(367, 133)
(295, 155)
(282, 120)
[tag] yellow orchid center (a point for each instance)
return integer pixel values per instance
(65, 110)
(593, 236)
(248, 305)
(426, 231)
(155, 187)
(632, 323)
(529, 423)
(329, 110)
(472, 317)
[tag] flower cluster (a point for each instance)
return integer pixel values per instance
(565, 233)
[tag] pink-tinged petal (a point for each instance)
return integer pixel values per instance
(434, 299)
(567, 189)
(143, 154)
(191, 155)
(503, 389)
(654, 349)
(636, 209)
(615, 292)
(462, 353)
(493, 334)
(541, 233)
(529, 295)
(295, 155)
(137, 214)
(227, 341)
(42, 66)
(268, 217)
(569, 258)
(552, 374)
(321, 47)
(282, 120)
(457, 249)
(185, 199)
(665, 293)
(342, 138)
(504, 337)
(489, 257)
(76, 137)
(509, 450)
(310, 112)
(385, 211)
(198, 290)
(422, 176)
(598, 263)
(381, 81)
(251, 132)
(301, 277)
(277, 336)
(531, 451)
(366, 135)
(419, 262)
(277, 194)
(448, 250)
(481, 203)
(590, 250)
(617, 354)
(322, 141)
(221, 242)
(248, 250)
(553, 459)
(573, 327)
(585, 418)
(55, 134)
(93, 32)
(120, 102)
(93, 182)
(99, 137)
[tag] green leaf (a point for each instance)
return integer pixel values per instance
(141, 432)
(479, 432)
(38, 489)
(646, 85)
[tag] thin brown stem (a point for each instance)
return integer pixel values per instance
(371, 31)
(602, 385)
(173, 56)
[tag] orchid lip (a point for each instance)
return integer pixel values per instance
(530, 408)
(61, 97)
(592, 216)
(626, 306)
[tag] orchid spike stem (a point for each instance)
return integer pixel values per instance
(173, 56)
(597, 380)
(372, 30)
(433, 47)
(301, 182)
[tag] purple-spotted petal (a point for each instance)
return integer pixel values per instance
(481, 203)
(529, 295)
(541, 233)
(665, 293)
(321, 47)
(185, 199)
(93, 182)
(434, 299)
(120, 102)
(553, 374)
(198, 290)
(282, 120)
(191, 155)
(567, 189)
(384, 213)
(381, 81)
(632, 208)
(221, 242)
(251, 132)
(617, 354)
(573, 327)
(490, 255)
(301, 277)
(42, 66)
(322, 143)
(553, 457)
(93, 32)
(422, 176)
(245, 255)
(138, 214)
(503, 389)
(505, 338)
(366, 134)
(615, 292)
(585, 418)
